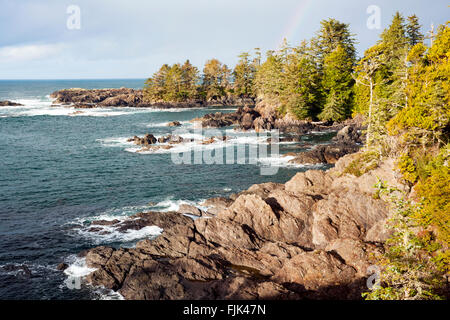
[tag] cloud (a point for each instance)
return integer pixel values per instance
(134, 38)
(29, 52)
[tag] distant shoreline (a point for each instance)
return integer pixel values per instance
(126, 97)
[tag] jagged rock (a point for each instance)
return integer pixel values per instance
(379, 232)
(385, 171)
(324, 154)
(310, 182)
(315, 270)
(262, 190)
(146, 140)
(98, 256)
(216, 205)
(247, 121)
(312, 237)
(227, 233)
(7, 103)
(175, 139)
(62, 266)
(355, 253)
(174, 124)
(105, 222)
(189, 209)
(347, 215)
(125, 97)
(348, 135)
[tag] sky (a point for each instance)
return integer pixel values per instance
(48, 39)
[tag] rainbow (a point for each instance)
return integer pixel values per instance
(294, 22)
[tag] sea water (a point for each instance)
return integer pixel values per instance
(59, 171)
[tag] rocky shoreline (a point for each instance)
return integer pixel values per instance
(347, 140)
(313, 237)
(125, 97)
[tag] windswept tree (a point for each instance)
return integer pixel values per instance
(155, 86)
(381, 91)
(244, 75)
(216, 79)
(189, 80)
(174, 83)
(367, 80)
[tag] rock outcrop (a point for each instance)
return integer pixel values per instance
(312, 237)
(347, 141)
(174, 124)
(7, 103)
(146, 140)
(126, 97)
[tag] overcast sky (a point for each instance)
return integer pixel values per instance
(133, 38)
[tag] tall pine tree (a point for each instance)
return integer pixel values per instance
(337, 84)
(413, 30)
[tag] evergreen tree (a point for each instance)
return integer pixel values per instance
(394, 73)
(301, 84)
(332, 34)
(155, 87)
(416, 257)
(216, 79)
(367, 81)
(413, 31)
(337, 84)
(268, 79)
(189, 80)
(244, 74)
(174, 83)
(382, 79)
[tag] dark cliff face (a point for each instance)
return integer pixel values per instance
(7, 103)
(125, 97)
(312, 237)
(99, 97)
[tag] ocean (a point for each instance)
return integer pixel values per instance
(59, 170)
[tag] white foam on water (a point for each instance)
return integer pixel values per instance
(41, 107)
(120, 214)
(77, 267)
(197, 145)
(103, 234)
(32, 267)
(115, 142)
(165, 124)
(174, 205)
(107, 294)
(283, 161)
(109, 234)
